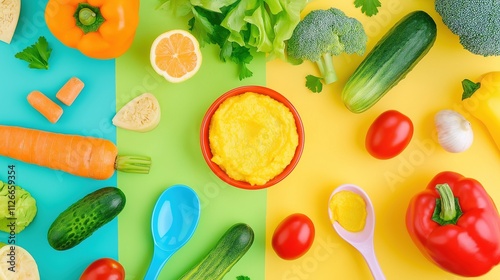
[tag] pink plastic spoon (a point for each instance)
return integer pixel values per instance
(363, 240)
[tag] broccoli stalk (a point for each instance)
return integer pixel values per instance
(325, 65)
(327, 72)
(321, 35)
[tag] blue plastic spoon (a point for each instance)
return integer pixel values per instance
(175, 218)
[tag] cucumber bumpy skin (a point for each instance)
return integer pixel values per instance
(392, 58)
(84, 217)
(227, 252)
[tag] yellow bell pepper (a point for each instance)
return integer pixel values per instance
(482, 100)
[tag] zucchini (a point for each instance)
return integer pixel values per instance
(84, 217)
(227, 252)
(397, 52)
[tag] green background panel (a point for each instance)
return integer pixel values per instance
(177, 159)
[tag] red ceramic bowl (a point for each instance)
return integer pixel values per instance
(205, 145)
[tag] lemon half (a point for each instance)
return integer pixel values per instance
(176, 55)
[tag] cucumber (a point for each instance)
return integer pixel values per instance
(84, 217)
(397, 52)
(227, 252)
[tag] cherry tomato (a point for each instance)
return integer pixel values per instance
(389, 135)
(104, 269)
(293, 237)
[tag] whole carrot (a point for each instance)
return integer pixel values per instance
(78, 155)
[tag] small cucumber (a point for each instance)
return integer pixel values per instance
(227, 252)
(84, 217)
(401, 48)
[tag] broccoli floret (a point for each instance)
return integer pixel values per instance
(476, 22)
(321, 35)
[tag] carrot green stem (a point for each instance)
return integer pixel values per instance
(447, 209)
(133, 164)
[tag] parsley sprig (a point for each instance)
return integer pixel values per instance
(206, 25)
(314, 84)
(37, 55)
(368, 7)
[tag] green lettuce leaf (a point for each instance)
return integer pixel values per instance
(274, 6)
(21, 209)
(261, 30)
(285, 23)
(235, 22)
(179, 8)
(213, 5)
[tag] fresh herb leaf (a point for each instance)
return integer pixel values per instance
(225, 51)
(314, 83)
(242, 57)
(37, 55)
(205, 25)
(368, 7)
(220, 37)
(241, 277)
(244, 72)
(229, 49)
(469, 88)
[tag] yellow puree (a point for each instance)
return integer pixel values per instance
(253, 137)
(349, 210)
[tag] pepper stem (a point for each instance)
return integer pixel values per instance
(447, 209)
(88, 18)
(469, 88)
(133, 164)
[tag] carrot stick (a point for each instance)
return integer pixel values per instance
(83, 156)
(48, 108)
(70, 91)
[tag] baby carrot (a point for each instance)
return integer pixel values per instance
(48, 108)
(83, 156)
(70, 91)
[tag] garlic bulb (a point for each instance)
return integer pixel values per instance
(454, 131)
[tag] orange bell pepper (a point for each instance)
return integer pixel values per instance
(101, 29)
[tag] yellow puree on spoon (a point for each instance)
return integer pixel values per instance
(349, 210)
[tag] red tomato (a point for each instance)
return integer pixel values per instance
(104, 269)
(293, 237)
(389, 135)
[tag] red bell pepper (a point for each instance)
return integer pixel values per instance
(456, 225)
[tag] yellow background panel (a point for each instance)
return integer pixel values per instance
(335, 154)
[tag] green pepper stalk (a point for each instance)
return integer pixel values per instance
(88, 18)
(447, 209)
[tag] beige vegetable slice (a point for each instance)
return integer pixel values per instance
(16, 263)
(140, 114)
(9, 16)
